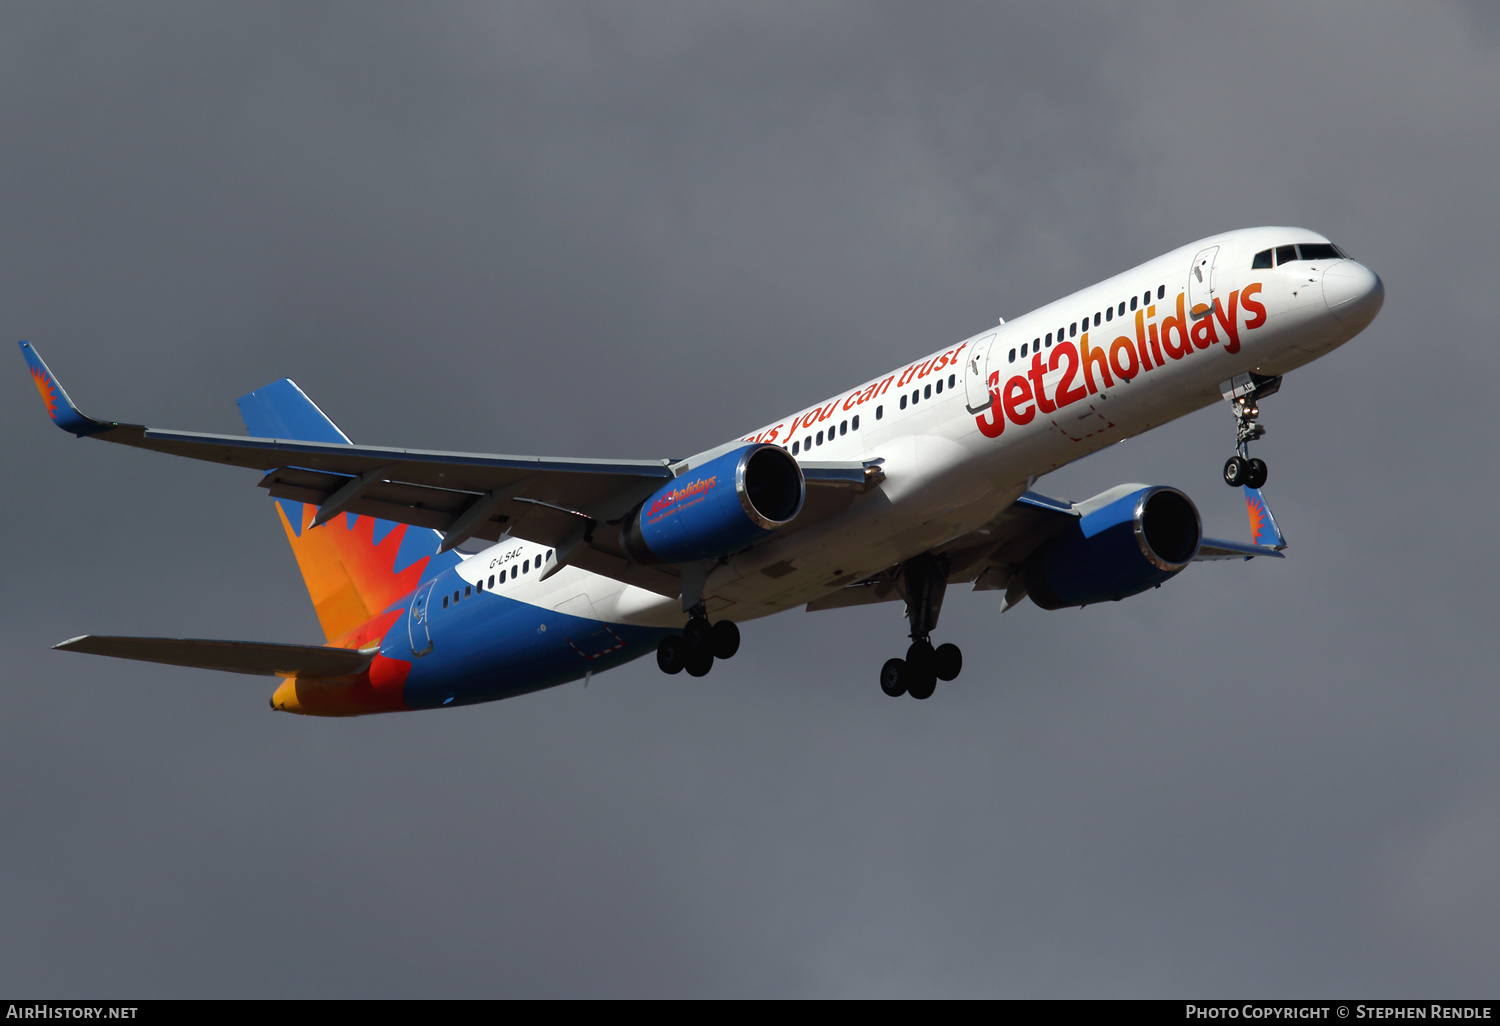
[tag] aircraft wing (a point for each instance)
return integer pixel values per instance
(260, 658)
(993, 555)
(551, 501)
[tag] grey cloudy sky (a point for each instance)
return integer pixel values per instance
(639, 230)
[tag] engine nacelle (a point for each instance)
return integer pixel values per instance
(1122, 548)
(718, 508)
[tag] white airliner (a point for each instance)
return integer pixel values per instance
(893, 490)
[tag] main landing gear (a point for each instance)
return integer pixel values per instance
(922, 582)
(1244, 394)
(699, 644)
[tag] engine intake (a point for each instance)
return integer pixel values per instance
(1122, 548)
(717, 508)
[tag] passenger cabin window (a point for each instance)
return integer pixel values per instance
(1132, 302)
(820, 438)
(492, 580)
(843, 427)
(927, 392)
(796, 448)
(1262, 259)
(1122, 309)
(1012, 356)
(1049, 338)
(1109, 314)
(855, 422)
(1161, 292)
(1096, 319)
(1073, 329)
(526, 567)
(1023, 348)
(951, 380)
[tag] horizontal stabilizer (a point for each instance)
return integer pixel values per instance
(260, 658)
(1217, 548)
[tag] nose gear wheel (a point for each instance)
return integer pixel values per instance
(1244, 394)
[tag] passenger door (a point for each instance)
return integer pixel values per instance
(1201, 283)
(418, 629)
(976, 373)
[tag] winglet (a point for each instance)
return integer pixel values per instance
(1263, 529)
(59, 407)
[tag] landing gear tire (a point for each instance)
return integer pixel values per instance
(669, 654)
(726, 639)
(921, 669)
(893, 677)
(922, 688)
(697, 634)
(699, 663)
(948, 662)
(1236, 469)
(1255, 473)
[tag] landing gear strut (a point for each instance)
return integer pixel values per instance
(699, 644)
(1244, 394)
(922, 582)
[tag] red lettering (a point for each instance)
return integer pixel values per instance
(1253, 307)
(907, 375)
(1090, 357)
(1179, 324)
(1017, 391)
(1231, 322)
(852, 401)
(1140, 340)
(1115, 348)
(1066, 396)
(1202, 331)
(992, 421)
(1043, 404)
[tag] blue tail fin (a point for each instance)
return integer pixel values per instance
(355, 567)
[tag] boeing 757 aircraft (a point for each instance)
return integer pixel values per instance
(893, 490)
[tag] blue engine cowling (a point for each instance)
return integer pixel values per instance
(717, 508)
(1122, 548)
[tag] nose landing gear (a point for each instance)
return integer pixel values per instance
(922, 582)
(1243, 394)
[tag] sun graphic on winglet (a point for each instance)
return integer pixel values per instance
(44, 386)
(1257, 518)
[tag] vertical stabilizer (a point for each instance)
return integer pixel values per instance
(355, 567)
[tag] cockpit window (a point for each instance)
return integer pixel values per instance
(1262, 259)
(1318, 251)
(1307, 251)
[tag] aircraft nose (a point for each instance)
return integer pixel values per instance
(1353, 292)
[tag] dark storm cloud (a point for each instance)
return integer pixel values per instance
(638, 231)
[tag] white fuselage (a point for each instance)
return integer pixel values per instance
(1102, 364)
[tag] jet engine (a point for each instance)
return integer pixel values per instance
(717, 508)
(1120, 549)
